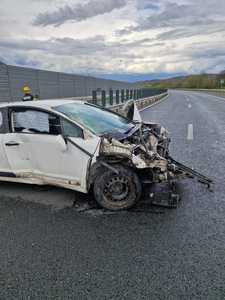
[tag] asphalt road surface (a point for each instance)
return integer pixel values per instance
(51, 250)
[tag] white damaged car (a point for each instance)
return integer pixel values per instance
(83, 147)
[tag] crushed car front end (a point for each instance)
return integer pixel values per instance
(145, 149)
(129, 154)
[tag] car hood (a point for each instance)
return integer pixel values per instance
(118, 135)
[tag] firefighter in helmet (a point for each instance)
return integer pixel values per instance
(27, 94)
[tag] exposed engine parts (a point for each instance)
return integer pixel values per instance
(146, 149)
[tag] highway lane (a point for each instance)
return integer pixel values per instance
(64, 254)
(197, 126)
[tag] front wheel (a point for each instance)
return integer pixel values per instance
(117, 191)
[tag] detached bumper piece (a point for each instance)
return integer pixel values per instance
(167, 200)
(191, 173)
(165, 195)
(169, 196)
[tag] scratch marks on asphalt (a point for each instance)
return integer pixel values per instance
(190, 132)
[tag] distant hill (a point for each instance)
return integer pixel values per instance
(201, 81)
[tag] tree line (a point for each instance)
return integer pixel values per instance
(203, 81)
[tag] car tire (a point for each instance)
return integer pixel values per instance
(117, 191)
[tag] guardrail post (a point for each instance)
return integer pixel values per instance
(122, 96)
(131, 94)
(94, 97)
(103, 98)
(127, 94)
(117, 96)
(135, 94)
(111, 97)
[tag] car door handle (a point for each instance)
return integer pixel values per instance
(12, 144)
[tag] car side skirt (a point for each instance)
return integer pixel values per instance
(36, 181)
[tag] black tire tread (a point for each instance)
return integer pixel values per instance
(111, 205)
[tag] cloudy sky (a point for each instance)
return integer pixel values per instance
(122, 39)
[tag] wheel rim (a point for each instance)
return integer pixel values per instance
(116, 188)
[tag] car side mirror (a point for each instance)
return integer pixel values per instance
(131, 112)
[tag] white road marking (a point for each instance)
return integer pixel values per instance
(189, 105)
(190, 132)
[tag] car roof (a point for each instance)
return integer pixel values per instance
(46, 104)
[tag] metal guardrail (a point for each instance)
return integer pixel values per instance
(116, 97)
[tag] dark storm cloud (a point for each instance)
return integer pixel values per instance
(78, 12)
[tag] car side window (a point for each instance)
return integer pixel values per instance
(4, 121)
(35, 121)
(71, 130)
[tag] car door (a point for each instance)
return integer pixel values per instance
(26, 126)
(51, 157)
